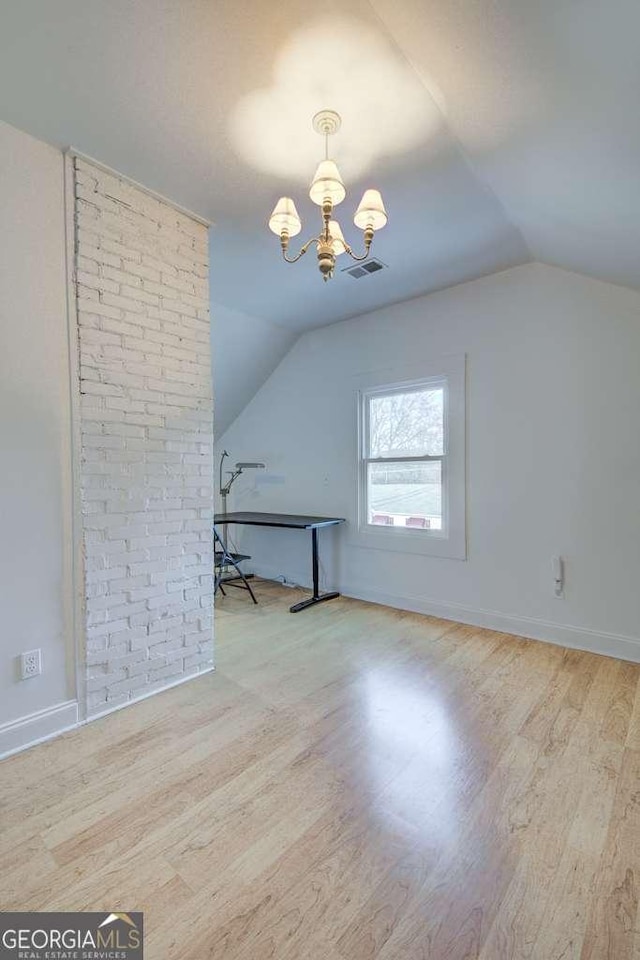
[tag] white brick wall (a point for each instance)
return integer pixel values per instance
(146, 420)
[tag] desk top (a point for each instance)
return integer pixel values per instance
(295, 520)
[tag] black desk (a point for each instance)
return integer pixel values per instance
(291, 521)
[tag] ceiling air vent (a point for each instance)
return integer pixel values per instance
(364, 269)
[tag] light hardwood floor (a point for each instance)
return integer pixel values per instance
(352, 783)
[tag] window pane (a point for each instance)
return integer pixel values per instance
(405, 495)
(407, 424)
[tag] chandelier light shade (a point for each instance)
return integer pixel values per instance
(327, 183)
(339, 245)
(371, 211)
(327, 191)
(285, 218)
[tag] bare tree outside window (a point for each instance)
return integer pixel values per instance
(407, 424)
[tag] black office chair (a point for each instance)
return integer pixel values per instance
(223, 559)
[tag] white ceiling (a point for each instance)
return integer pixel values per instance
(498, 130)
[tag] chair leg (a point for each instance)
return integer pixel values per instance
(244, 579)
(248, 586)
(218, 583)
(227, 560)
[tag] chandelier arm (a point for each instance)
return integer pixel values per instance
(303, 250)
(355, 256)
(368, 240)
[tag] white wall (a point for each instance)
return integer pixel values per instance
(553, 398)
(245, 350)
(35, 482)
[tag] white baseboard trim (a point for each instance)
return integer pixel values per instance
(578, 638)
(149, 693)
(25, 732)
(18, 735)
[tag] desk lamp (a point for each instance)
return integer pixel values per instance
(234, 474)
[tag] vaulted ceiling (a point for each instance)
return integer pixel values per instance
(499, 131)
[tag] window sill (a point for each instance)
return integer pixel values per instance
(418, 542)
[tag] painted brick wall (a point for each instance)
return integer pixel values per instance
(146, 458)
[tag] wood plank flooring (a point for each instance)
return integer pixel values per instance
(353, 783)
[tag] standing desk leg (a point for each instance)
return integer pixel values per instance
(314, 559)
(317, 597)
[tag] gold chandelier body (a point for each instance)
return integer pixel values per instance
(327, 190)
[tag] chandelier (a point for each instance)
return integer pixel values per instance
(327, 190)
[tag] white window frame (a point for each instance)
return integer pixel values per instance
(450, 542)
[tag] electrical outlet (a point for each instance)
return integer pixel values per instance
(30, 664)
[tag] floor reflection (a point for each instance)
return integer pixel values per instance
(413, 720)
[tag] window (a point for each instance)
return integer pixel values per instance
(404, 456)
(411, 470)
